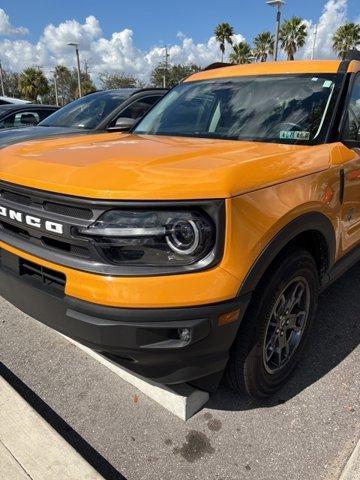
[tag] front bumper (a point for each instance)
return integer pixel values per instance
(146, 341)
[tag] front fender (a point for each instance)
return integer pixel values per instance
(313, 221)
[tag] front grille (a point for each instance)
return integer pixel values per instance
(68, 210)
(66, 247)
(38, 201)
(47, 277)
(14, 197)
(18, 231)
(39, 276)
(19, 206)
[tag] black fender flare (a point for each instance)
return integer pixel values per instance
(314, 221)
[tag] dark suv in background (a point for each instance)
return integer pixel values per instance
(108, 110)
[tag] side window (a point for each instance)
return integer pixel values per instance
(138, 108)
(352, 120)
(20, 119)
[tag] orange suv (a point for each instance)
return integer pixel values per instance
(199, 242)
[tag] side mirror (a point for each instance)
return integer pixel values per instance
(123, 124)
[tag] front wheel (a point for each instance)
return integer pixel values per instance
(276, 326)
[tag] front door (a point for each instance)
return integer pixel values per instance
(351, 138)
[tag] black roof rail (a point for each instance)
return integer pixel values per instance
(149, 89)
(353, 54)
(144, 89)
(215, 65)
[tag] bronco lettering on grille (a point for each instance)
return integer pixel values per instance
(32, 221)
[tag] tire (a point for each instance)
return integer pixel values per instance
(259, 363)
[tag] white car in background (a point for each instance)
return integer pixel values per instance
(9, 100)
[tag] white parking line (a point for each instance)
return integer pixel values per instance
(30, 448)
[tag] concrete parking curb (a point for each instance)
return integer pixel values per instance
(181, 400)
(31, 448)
(352, 468)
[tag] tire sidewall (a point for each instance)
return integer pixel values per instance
(257, 379)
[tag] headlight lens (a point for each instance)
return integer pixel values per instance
(156, 238)
(183, 236)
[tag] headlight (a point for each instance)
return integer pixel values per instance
(163, 238)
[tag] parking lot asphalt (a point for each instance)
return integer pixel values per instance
(307, 432)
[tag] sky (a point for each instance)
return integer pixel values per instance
(129, 37)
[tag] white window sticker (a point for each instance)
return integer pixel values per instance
(296, 135)
(327, 84)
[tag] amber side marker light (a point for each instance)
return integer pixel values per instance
(230, 317)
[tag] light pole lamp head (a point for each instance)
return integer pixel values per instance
(276, 3)
(73, 44)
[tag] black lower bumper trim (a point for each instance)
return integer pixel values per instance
(147, 341)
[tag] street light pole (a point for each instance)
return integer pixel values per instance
(314, 43)
(78, 65)
(56, 89)
(167, 55)
(2, 80)
(278, 4)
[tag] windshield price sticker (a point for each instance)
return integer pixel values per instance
(290, 135)
(327, 84)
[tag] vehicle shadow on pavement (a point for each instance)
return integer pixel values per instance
(335, 335)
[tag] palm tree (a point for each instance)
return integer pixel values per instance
(241, 53)
(263, 46)
(223, 34)
(33, 84)
(63, 77)
(292, 36)
(346, 37)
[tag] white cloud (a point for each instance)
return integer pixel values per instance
(334, 14)
(117, 53)
(7, 29)
(56, 38)
(19, 54)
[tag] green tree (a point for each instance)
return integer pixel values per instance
(67, 85)
(87, 85)
(223, 34)
(263, 46)
(11, 84)
(63, 80)
(109, 81)
(173, 74)
(292, 36)
(33, 84)
(241, 53)
(346, 37)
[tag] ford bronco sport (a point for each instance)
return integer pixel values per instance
(199, 242)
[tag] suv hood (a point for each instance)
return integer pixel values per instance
(130, 167)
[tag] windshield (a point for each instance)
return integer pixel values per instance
(284, 109)
(89, 111)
